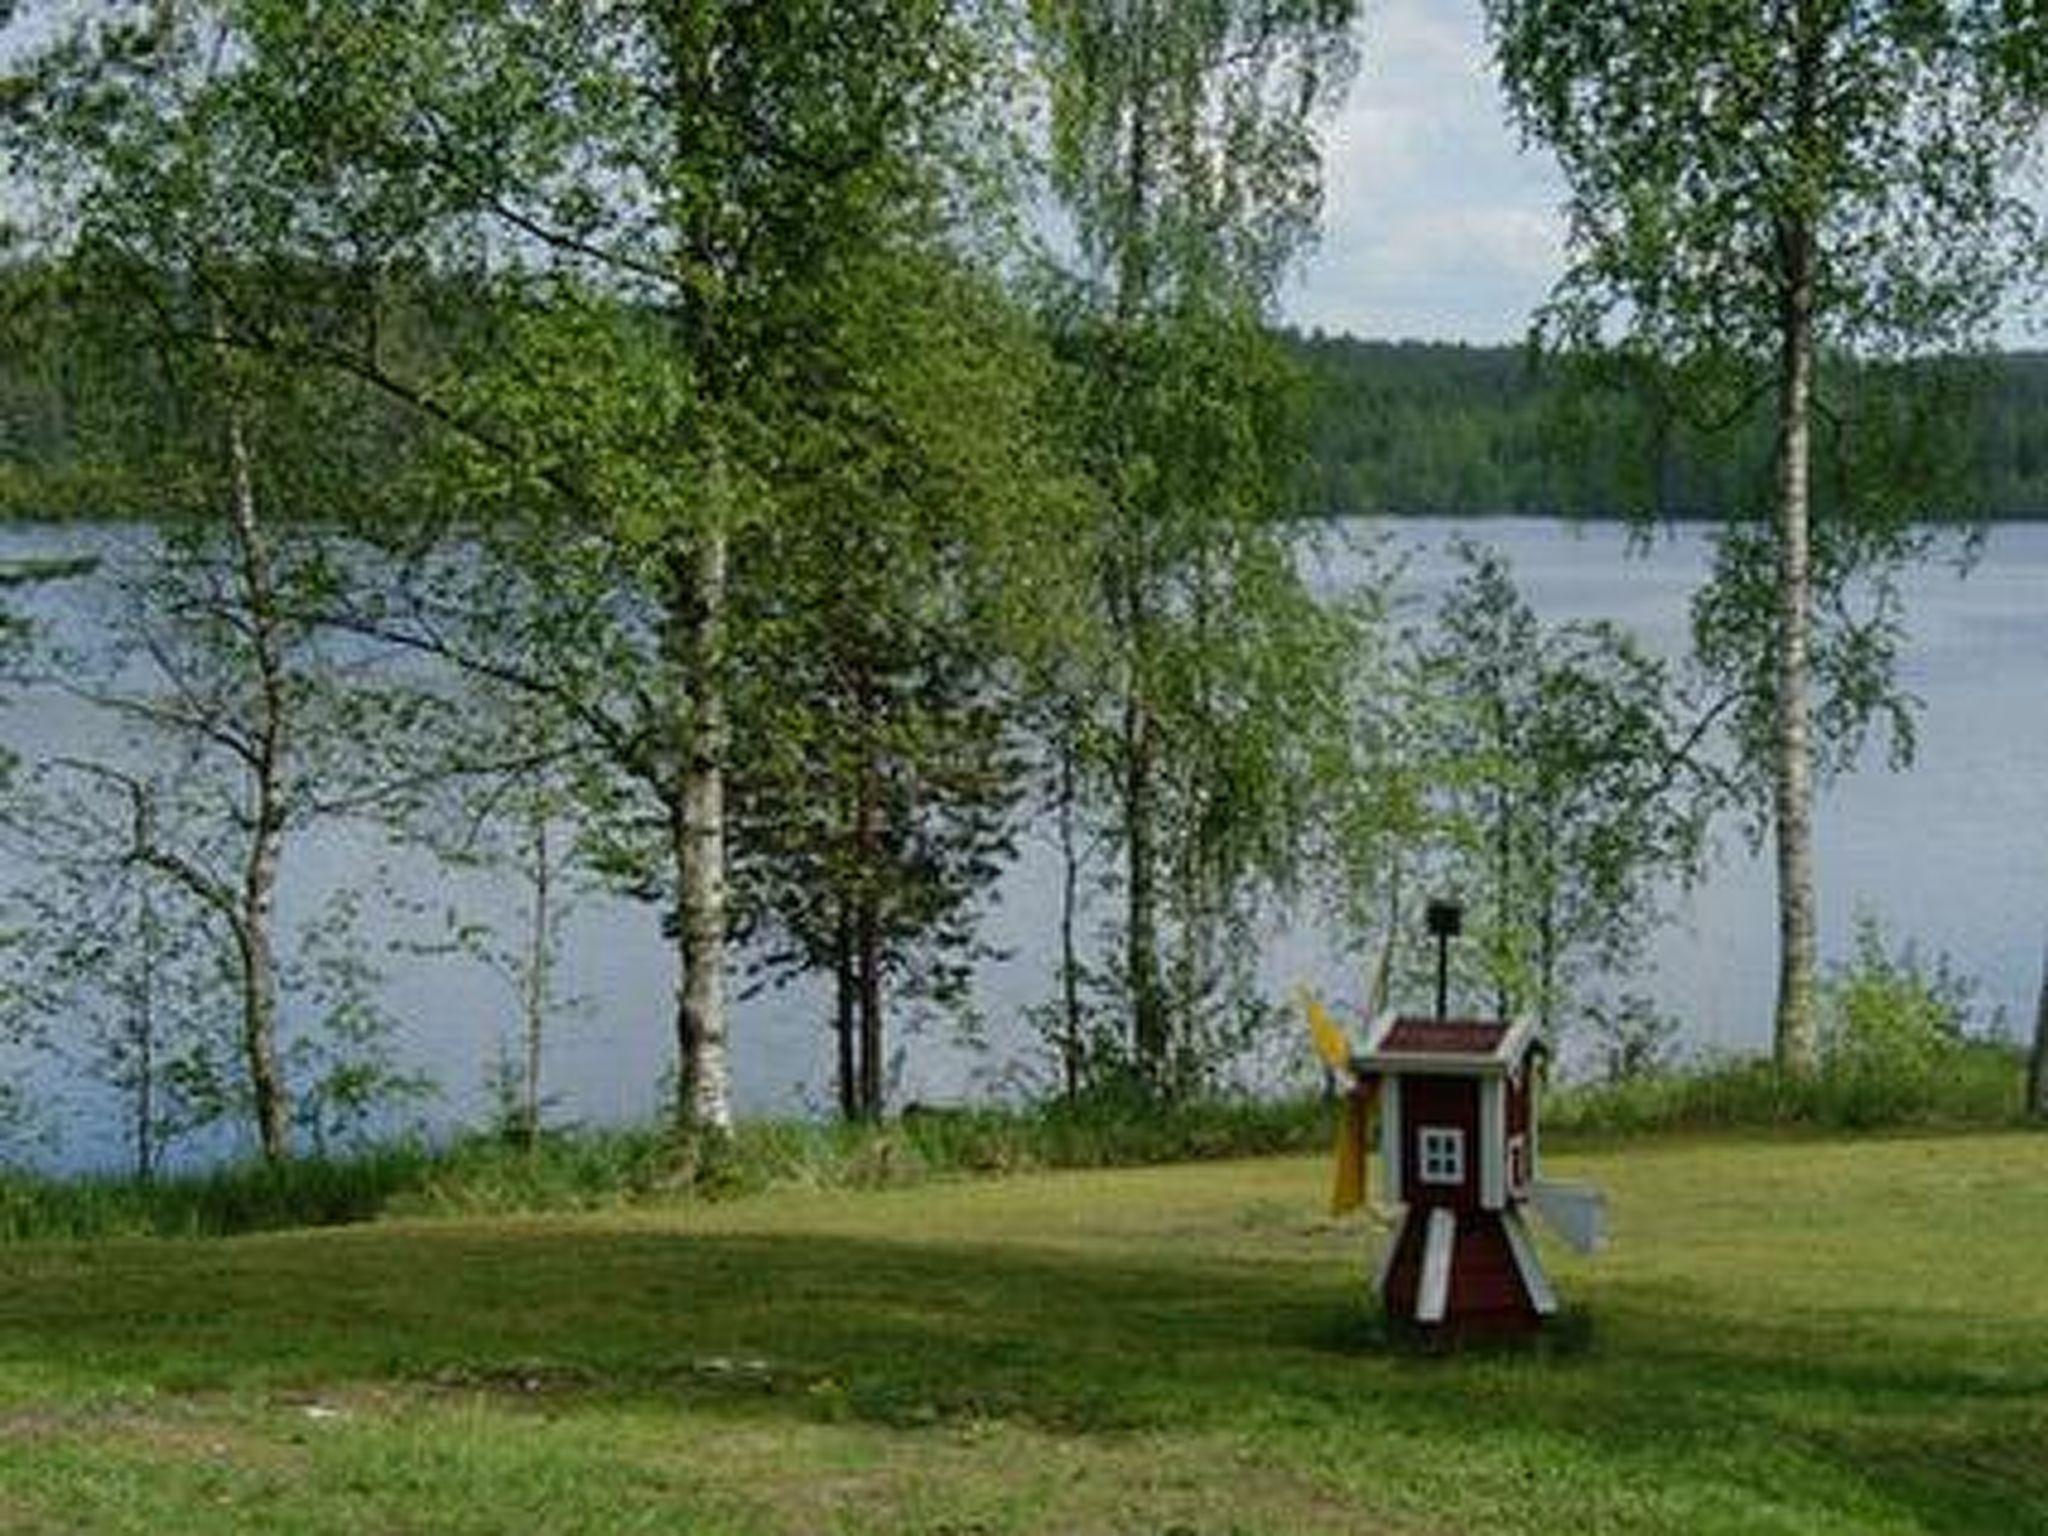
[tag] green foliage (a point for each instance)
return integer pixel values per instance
(1752, 192)
(1979, 1085)
(23, 1121)
(350, 1085)
(660, 259)
(1183, 137)
(309, 1191)
(1896, 1051)
(1632, 1038)
(1567, 786)
(878, 764)
(109, 978)
(1202, 730)
(226, 735)
(666, 349)
(1888, 1015)
(1399, 428)
(1698, 137)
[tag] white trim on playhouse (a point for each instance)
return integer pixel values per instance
(1390, 1140)
(1433, 1297)
(1440, 1154)
(1493, 1125)
(1390, 1247)
(1534, 1280)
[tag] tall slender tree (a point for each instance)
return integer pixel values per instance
(1183, 150)
(882, 758)
(114, 976)
(1753, 186)
(113, 136)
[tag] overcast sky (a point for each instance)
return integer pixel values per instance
(1437, 225)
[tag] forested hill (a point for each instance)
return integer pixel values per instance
(1424, 427)
(1395, 427)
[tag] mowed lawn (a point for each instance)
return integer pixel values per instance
(1788, 1335)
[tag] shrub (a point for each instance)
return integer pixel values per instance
(1977, 1086)
(1889, 1016)
(1896, 1050)
(1634, 1038)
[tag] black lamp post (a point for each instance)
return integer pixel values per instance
(1446, 921)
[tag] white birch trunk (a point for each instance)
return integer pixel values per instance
(1797, 1031)
(257, 898)
(706, 1098)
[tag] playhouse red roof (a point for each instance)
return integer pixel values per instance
(1460, 1037)
(1456, 1046)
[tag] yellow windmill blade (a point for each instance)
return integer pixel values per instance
(1331, 1043)
(1348, 1192)
(1354, 1126)
(1354, 1141)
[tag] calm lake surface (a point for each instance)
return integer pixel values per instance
(1953, 854)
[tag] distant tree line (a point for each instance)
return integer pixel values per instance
(1441, 428)
(1399, 428)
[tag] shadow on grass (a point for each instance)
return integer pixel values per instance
(1926, 1414)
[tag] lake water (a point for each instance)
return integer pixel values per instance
(1953, 853)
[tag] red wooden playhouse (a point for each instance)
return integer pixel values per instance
(1458, 1152)
(1460, 1160)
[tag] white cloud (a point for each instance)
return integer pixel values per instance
(1436, 223)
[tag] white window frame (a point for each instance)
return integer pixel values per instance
(1440, 1155)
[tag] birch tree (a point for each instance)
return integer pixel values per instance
(1755, 186)
(1570, 783)
(1183, 151)
(115, 977)
(116, 136)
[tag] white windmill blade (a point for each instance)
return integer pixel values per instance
(1575, 1212)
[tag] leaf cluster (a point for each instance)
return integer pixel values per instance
(1699, 135)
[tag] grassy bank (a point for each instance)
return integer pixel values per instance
(592, 1170)
(1967, 1086)
(1836, 1336)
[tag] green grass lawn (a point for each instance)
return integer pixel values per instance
(1788, 1335)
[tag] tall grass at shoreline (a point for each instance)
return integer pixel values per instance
(595, 1169)
(1973, 1085)
(1976, 1084)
